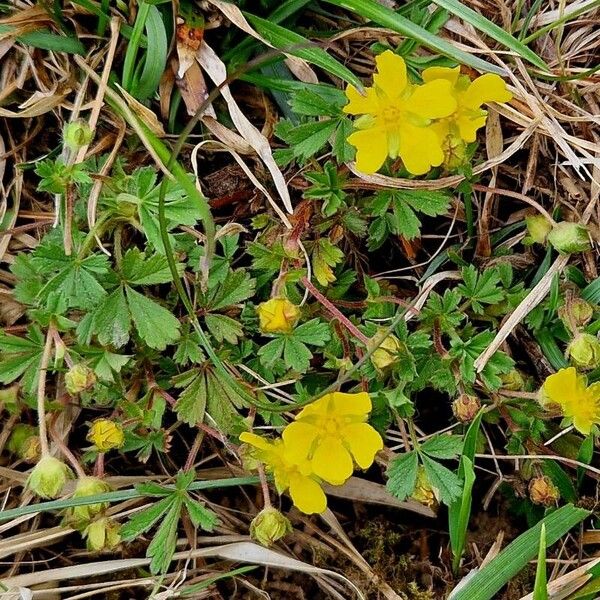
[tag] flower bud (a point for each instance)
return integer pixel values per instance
(584, 351)
(543, 491)
(513, 380)
(277, 315)
(268, 526)
(106, 435)
(24, 442)
(387, 350)
(424, 492)
(466, 407)
(9, 397)
(48, 477)
(538, 228)
(576, 312)
(77, 134)
(102, 534)
(455, 152)
(87, 486)
(568, 237)
(79, 378)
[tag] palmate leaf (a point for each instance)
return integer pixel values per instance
(448, 483)
(191, 404)
(237, 287)
(20, 356)
(163, 544)
(402, 475)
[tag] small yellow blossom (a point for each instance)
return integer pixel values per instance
(291, 471)
(396, 116)
(277, 315)
(333, 431)
(579, 402)
(470, 96)
(268, 526)
(106, 435)
(387, 350)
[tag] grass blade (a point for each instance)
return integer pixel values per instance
(487, 582)
(369, 9)
(297, 45)
(46, 40)
(486, 26)
(540, 588)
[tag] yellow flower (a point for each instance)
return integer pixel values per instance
(106, 435)
(291, 471)
(469, 96)
(396, 118)
(333, 431)
(579, 402)
(277, 315)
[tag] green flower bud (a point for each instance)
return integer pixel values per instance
(9, 397)
(102, 534)
(538, 228)
(24, 442)
(543, 491)
(513, 380)
(79, 378)
(87, 486)
(567, 237)
(77, 134)
(465, 407)
(268, 526)
(576, 312)
(584, 351)
(48, 477)
(387, 350)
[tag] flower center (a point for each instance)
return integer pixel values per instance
(391, 115)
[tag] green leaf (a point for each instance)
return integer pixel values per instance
(191, 404)
(540, 588)
(440, 477)
(312, 332)
(386, 17)
(112, 320)
(481, 288)
(462, 11)
(403, 221)
(20, 356)
(155, 325)
(325, 256)
(139, 270)
(142, 521)
(222, 402)
(296, 355)
(307, 139)
(201, 516)
(46, 40)
(443, 446)
(237, 287)
(296, 45)
(271, 352)
(489, 580)
(223, 327)
(459, 513)
(163, 544)
(402, 475)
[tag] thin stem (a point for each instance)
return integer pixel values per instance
(265, 487)
(326, 303)
(41, 393)
(66, 452)
(189, 463)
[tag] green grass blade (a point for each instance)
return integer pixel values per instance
(134, 45)
(540, 588)
(156, 55)
(370, 9)
(486, 26)
(297, 45)
(46, 40)
(487, 582)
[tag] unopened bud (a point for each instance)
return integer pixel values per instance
(9, 397)
(277, 315)
(79, 378)
(543, 491)
(576, 312)
(102, 534)
(268, 526)
(48, 477)
(77, 134)
(106, 435)
(538, 228)
(24, 442)
(584, 351)
(87, 486)
(568, 237)
(387, 350)
(513, 380)
(466, 407)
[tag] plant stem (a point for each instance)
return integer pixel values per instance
(66, 452)
(41, 392)
(265, 487)
(327, 304)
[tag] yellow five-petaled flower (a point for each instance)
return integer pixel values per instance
(578, 402)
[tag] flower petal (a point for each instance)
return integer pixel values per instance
(332, 462)
(487, 88)
(371, 149)
(449, 74)
(359, 104)
(468, 126)
(562, 386)
(420, 149)
(364, 443)
(256, 440)
(433, 100)
(391, 74)
(307, 495)
(299, 438)
(351, 404)
(582, 423)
